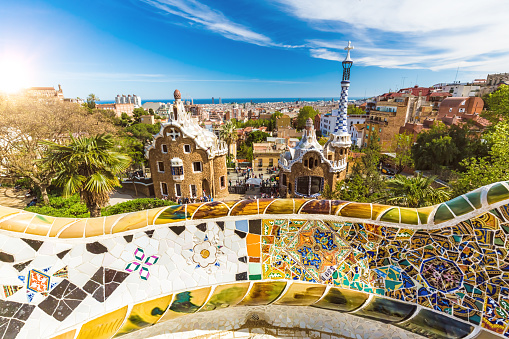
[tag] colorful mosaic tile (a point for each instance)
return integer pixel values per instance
(409, 269)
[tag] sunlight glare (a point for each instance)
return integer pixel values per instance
(14, 74)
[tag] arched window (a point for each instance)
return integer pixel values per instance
(306, 163)
(309, 185)
(311, 163)
(316, 162)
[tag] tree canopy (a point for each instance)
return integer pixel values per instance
(480, 171)
(444, 146)
(497, 104)
(414, 191)
(87, 165)
(305, 113)
(25, 123)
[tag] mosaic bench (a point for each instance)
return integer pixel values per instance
(438, 272)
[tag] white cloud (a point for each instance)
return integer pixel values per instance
(211, 19)
(411, 34)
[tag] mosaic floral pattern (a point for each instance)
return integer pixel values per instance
(142, 262)
(430, 271)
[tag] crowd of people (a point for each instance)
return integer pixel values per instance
(181, 200)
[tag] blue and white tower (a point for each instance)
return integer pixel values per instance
(340, 135)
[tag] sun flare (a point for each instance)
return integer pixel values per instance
(14, 74)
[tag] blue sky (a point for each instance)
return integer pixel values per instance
(232, 49)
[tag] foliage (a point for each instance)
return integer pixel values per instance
(256, 136)
(497, 104)
(87, 165)
(25, 122)
(365, 183)
(444, 146)
(402, 146)
(486, 170)
(245, 152)
(137, 113)
(305, 113)
(323, 140)
(136, 205)
(143, 132)
(251, 123)
(273, 120)
(70, 207)
(414, 191)
(91, 100)
(228, 133)
(354, 110)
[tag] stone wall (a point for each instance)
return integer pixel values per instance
(210, 176)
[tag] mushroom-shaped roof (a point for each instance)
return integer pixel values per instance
(177, 94)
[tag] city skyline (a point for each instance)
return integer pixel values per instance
(281, 48)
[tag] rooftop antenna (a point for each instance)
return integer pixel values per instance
(456, 77)
(403, 80)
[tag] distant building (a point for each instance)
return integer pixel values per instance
(45, 92)
(307, 167)
(328, 122)
(392, 114)
(185, 159)
(462, 90)
(266, 154)
(117, 108)
(134, 99)
(465, 106)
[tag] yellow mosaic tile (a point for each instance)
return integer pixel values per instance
(103, 327)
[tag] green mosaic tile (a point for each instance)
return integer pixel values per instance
(443, 214)
(459, 206)
(409, 216)
(497, 193)
(475, 198)
(391, 215)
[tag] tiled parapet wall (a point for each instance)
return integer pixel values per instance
(441, 271)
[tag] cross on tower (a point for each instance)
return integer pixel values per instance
(347, 49)
(174, 134)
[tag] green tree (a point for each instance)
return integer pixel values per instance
(402, 146)
(365, 183)
(89, 166)
(497, 104)
(414, 191)
(354, 110)
(91, 100)
(305, 113)
(434, 149)
(273, 120)
(25, 123)
(228, 133)
(137, 113)
(256, 136)
(489, 169)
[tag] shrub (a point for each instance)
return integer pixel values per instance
(135, 205)
(70, 207)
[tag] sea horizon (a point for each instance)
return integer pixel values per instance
(208, 101)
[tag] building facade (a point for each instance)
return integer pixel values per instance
(186, 160)
(130, 99)
(117, 108)
(307, 167)
(463, 107)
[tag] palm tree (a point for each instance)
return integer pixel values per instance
(415, 191)
(229, 134)
(87, 165)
